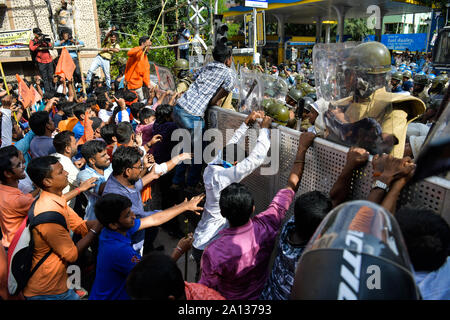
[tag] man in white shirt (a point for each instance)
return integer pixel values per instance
(183, 37)
(8, 105)
(220, 173)
(66, 147)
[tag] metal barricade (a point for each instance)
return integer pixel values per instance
(324, 163)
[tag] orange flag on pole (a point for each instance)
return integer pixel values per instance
(66, 66)
(26, 96)
(88, 132)
(36, 96)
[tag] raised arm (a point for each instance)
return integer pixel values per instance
(390, 201)
(386, 169)
(158, 170)
(255, 159)
(356, 158)
(166, 215)
(306, 140)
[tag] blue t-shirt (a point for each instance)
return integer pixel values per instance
(115, 260)
(134, 194)
(78, 130)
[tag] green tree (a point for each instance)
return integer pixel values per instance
(356, 28)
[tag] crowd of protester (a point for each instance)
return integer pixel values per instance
(102, 160)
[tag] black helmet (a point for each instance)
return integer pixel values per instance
(356, 253)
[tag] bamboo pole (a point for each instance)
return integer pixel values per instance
(163, 17)
(81, 48)
(4, 79)
(159, 17)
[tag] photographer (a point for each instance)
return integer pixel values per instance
(68, 40)
(183, 37)
(42, 58)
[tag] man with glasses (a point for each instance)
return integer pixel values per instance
(14, 204)
(130, 175)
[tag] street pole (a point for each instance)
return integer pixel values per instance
(255, 40)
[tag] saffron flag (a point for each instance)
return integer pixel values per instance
(36, 96)
(88, 132)
(66, 66)
(67, 124)
(26, 96)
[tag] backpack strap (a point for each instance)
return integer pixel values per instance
(44, 217)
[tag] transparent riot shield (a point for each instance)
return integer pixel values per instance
(274, 87)
(352, 79)
(434, 157)
(164, 79)
(356, 253)
(251, 88)
(208, 56)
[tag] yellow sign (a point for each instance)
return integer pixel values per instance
(242, 59)
(9, 38)
(260, 26)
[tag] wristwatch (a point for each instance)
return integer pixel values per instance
(381, 185)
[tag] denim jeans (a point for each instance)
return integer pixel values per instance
(68, 295)
(46, 71)
(190, 122)
(99, 62)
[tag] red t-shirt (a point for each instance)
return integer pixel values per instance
(42, 56)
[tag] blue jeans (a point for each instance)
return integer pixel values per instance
(103, 63)
(68, 295)
(189, 122)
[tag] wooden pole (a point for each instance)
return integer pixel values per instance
(176, 14)
(163, 16)
(4, 79)
(159, 17)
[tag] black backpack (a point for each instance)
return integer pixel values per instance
(20, 252)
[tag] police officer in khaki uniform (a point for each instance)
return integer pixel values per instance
(420, 88)
(181, 71)
(372, 117)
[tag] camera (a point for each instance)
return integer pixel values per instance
(44, 38)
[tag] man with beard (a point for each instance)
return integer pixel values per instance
(98, 164)
(54, 248)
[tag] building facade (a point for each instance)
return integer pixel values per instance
(28, 14)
